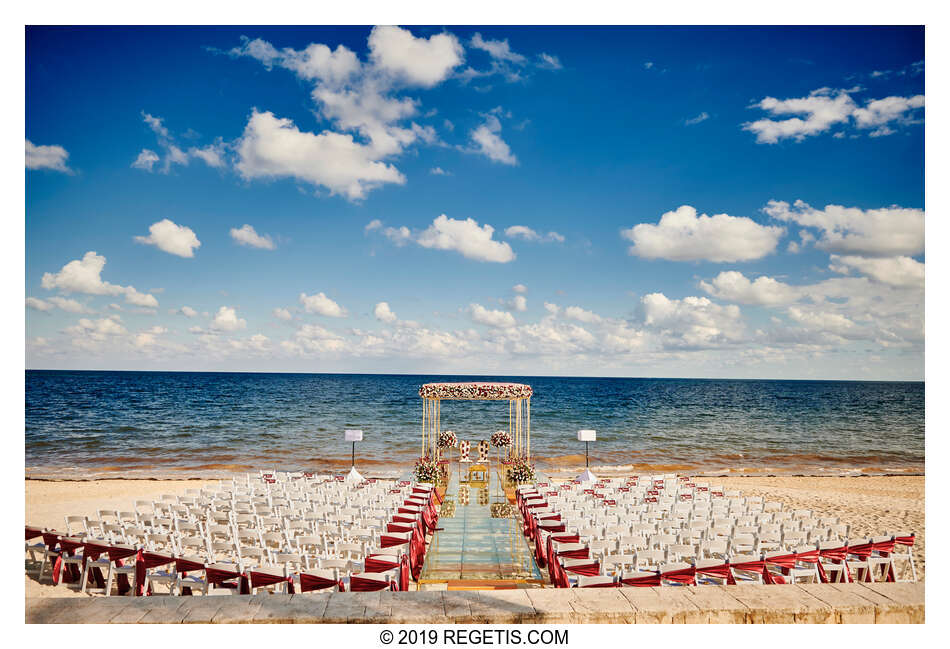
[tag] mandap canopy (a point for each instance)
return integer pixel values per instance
(518, 396)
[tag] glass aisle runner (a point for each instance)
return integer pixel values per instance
(472, 545)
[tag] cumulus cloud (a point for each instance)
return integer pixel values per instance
(549, 61)
(825, 108)
(692, 322)
(581, 315)
(85, 276)
(282, 314)
(356, 97)
(321, 305)
(682, 235)
(490, 317)
(883, 232)
(519, 288)
(146, 160)
(895, 271)
(65, 304)
(733, 286)
(168, 236)
(439, 171)
(38, 305)
(226, 319)
(497, 49)
(383, 313)
(419, 61)
(517, 303)
(486, 140)
(246, 235)
(275, 148)
(50, 156)
(466, 237)
(187, 311)
(528, 234)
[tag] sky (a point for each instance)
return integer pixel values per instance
(638, 201)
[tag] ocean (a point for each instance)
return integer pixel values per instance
(82, 424)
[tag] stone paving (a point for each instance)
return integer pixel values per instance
(755, 604)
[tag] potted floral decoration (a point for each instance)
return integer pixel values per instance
(427, 470)
(520, 471)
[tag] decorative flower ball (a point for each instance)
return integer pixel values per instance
(500, 439)
(447, 439)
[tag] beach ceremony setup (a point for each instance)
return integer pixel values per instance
(478, 521)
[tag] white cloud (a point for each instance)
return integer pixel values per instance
(824, 108)
(486, 140)
(549, 61)
(895, 271)
(211, 154)
(528, 234)
(146, 160)
(322, 305)
(274, 148)
(383, 313)
(246, 235)
(519, 288)
(879, 112)
(38, 305)
(517, 303)
(883, 232)
(702, 117)
(492, 318)
(97, 330)
(497, 49)
(226, 319)
(439, 171)
(282, 314)
(733, 286)
(187, 311)
(419, 61)
(822, 321)
(692, 322)
(375, 224)
(85, 276)
(551, 308)
(172, 238)
(681, 235)
(466, 237)
(51, 156)
(581, 315)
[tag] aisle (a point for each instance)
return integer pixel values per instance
(472, 545)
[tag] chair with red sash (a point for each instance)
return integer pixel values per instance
(37, 547)
(572, 568)
(597, 581)
(748, 568)
(147, 574)
(68, 565)
(904, 560)
(320, 579)
(190, 571)
(678, 574)
(800, 565)
(95, 560)
(122, 559)
(712, 571)
(832, 565)
(640, 578)
(369, 582)
(226, 578)
(880, 561)
(51, 552)
(390, 559)
(859, 568)
(273, 576)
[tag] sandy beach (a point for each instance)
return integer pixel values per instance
(870, 504)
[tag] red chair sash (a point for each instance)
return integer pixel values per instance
(403, 519)
(581, 553)
(391, 541)
(720, 571)
(376, 564)
(259, 579)
(393, 527)
(315, 582)
(186, 565)
(905, 540)
(685, 576)
(587, 569)
(364, 585)
(217, 577)
(553, 528)
(32, 532)
(646, 581)
(605, 584)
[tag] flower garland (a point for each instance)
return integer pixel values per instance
(520, 471)
(447, 439)
(500, 439)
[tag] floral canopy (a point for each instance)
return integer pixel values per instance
(476, 391)
(518, 396)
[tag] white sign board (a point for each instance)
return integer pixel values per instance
(586, 435)
(353, 435)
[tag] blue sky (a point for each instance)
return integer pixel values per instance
(723, 202)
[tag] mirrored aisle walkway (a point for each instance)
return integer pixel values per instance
(473, 546)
